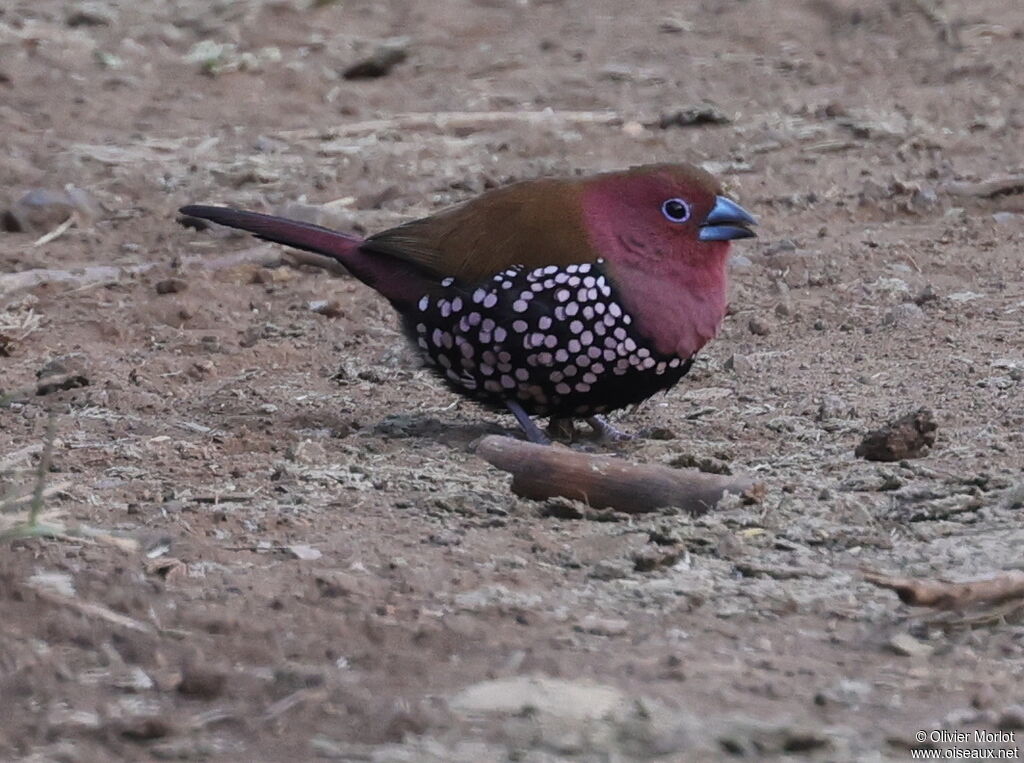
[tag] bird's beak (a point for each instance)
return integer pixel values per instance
(727, 220)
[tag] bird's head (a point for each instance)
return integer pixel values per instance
(662, 212)
(664, 231)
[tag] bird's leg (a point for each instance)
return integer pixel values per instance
(531, 430)
(607, 432)
(562, 429)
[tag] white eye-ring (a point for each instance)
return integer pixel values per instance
(676, 210)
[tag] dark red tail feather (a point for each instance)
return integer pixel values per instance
(399, 281)
(313, 238)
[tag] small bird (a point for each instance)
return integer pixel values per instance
(566, 298)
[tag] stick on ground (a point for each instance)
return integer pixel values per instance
(541, 472)
(943, 594)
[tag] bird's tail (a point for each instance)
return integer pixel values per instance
(280, 230)
(393, 278)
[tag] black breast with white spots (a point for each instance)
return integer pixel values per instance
(555, 339)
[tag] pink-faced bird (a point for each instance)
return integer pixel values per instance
(566, 298)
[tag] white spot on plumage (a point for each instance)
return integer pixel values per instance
(551, 341)
(457, 305)
(447, 281)
(490, 301)
(520, 305)
(424, 303)
(500, 334)
(563, 389)
(544, 323)
(519, 326)
(478, 296)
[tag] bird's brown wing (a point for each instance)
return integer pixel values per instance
(534, 224)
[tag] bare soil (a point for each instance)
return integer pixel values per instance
(312, 562)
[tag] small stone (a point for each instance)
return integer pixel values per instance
(304, 553)
(42, 209)
(907, 437)
(741, 365)
(603, 626)
(906, 645)
(611, 569)
(779, 247)
(905, 315)
(329, 308)
(694, 116)
(832, 407)
(90, 14)
(1008, 218)
(201, 682)
(171, 286)
(381, 62)
(560, 507)
(759, 327)
(1011, 718)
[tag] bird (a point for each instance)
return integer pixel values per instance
(565, 298)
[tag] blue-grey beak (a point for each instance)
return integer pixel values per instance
(727, 220)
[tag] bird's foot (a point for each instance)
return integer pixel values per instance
(606, 432)
(530, 429)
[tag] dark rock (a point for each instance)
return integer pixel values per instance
(171, 286)
(380, 63)
(907, 437)
(693, 116)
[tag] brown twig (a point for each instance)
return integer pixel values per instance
(542, 472)
(944, 594)
(453, 120)
(986, 189)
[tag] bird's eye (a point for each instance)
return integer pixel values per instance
(676, 210)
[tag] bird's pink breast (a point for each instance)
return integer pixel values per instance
(674, 287)
(679, 307)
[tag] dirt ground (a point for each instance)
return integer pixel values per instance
(295, 553)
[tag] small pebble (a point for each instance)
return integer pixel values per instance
(759, 327)
(171, 286)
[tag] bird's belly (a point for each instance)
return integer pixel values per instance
(556, 340)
